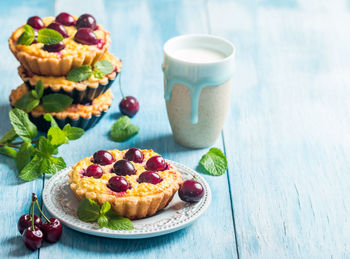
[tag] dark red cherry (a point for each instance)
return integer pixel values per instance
(86, 21)
(135, 155)
(36, 22)
(25, 221)
(54, 47)
(191, 191)
(129, 106)
(103, 157)
(118, 184)
(94, 171)
(86, 36)
(124, 167)
(33, 238)
(59, 28)
(149, 177)
(52, 230)
(65, 19)
(156, 163)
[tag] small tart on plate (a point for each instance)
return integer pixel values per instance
(42, 62)
(78, 115)
(143, 196)
(81, 92)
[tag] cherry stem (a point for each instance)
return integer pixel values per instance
(42, 213)
(17, 144)
(30, 210)
(120, 84)
(33, 216)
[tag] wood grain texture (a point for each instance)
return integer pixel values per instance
(287, 139)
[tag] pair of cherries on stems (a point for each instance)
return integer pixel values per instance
(34, 232)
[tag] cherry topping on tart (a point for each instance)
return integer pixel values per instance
(149, 177)
(54, 47)
(156, 163)
(59, 28)
(65, 19)
(135, 155)
(94, 171)
(103, 157)
(86, 21)
(118, 184)
(86, 36)
(36, 22)
(124, 167)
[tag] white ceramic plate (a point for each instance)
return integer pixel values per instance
(62, 204)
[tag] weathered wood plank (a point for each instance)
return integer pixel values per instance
(288, 138)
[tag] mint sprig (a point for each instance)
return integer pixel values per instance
(27, 37)
(214, 162)
(46, 36)
(81, 73)
(52, 102)
(90, 211)
(36, 156)
(123, 129)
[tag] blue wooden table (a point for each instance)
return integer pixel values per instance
(286, 193)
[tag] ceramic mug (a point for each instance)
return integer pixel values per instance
(198, 72)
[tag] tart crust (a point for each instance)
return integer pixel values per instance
(75, 111)
(142, 200)
(41, 62)
(61, 82)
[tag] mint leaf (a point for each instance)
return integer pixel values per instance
(48, 117)
(116, 222)
(56, 136)
(32, 170)
(102, 221)
(102, 68)
(72, 133)
(31, 105)
(24, 155)
(39, 89)
(9, 136)
(46, 148)
(26, 102)
(123, 129)
(80, 73)
(52, 165)
(105, 208)
(214, 162)
(49, 36)
(88, 210)
(7, 151)
(56, 102)
(27, 37)
(22, 125)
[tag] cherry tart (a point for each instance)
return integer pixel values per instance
(84, 42)
(84, 116)
(135, 187)
(82, 92)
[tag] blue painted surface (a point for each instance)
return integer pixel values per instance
(286, 194)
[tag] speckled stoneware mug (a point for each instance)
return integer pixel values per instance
(198, 72)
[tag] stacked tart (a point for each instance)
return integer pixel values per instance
(137, 183)
(66, 69)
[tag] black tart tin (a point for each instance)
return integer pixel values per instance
(85, 124)
(80, 97)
